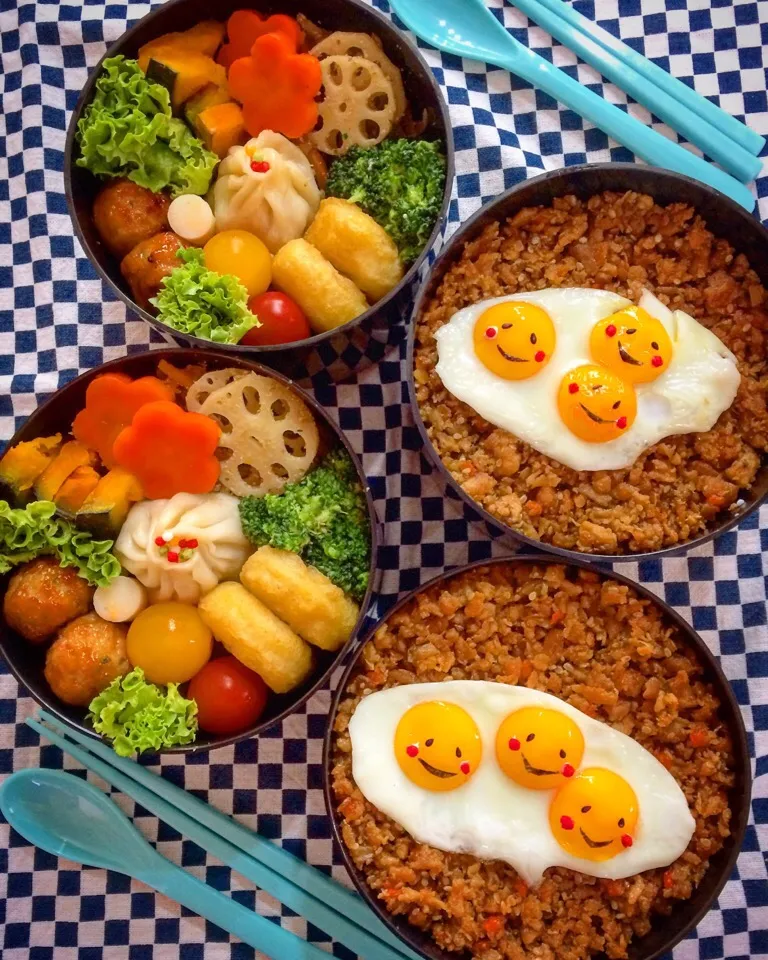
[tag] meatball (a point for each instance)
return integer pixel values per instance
(125, 214)
(148, 264)
(42, 596)
(85, 657)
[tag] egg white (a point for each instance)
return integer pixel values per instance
(491, 816)
(700, 383)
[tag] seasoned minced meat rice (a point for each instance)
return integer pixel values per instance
(622, 242)
(608, 652)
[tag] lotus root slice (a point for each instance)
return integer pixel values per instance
(209, 383)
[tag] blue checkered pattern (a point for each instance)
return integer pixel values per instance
(56, 320)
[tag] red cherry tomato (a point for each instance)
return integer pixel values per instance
(229, 696)
(282, 320)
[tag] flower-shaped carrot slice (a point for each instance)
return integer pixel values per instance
(111, 401)
(277, 87)
(170, 450)
(245, 27)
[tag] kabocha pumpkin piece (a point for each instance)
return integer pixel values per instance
(75, 490)
(24, 463)
(104, 510)
(211, 96)
(170, 450)
(205, 37)
(220, 127)
(71, 456)
(277, 87)
(111, 402)
(244, 28)
(183, 73)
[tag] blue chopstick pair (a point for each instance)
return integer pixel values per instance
(467, 28)
(302, 888)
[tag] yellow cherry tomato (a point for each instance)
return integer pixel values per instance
(243, 255)
(170, 642)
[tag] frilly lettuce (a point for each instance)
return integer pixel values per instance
(197, 301)
(34, 530)
(128, 130)
(137, 715)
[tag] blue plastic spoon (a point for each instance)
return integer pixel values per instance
(70, 818)
(466, 28)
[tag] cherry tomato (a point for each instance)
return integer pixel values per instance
(229, 696)
(243, 255)
(170, 642)
(281, 320)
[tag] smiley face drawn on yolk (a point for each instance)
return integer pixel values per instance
(595, 404)
(514, 340)
(594, 815)
(437, 745)
(632, 344)
(539, 748)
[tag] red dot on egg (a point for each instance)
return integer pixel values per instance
(621, 423)
(412, 750)
(657, 361)
(491, 332)
(568, 770)
(464, 768)
(540, 355)
(573, 388)
(514, 744)
(610, 330)
(626, 840)
(567, 823)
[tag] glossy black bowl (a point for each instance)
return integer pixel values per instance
(27, 660)
(666, 931)
(724, 217)
(421, 88)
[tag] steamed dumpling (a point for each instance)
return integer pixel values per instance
(278, 205)
(211, 519)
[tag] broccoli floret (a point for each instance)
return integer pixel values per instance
(323, 518)
(399, 183)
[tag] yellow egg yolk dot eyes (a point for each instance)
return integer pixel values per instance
(594, 815)
(438, 745)
(595, 404)
(514, 340)
(539, 748)
(632, 344)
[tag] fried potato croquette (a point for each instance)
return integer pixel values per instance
(357, 246)
(42, 596)
(327, 298)
(253, 634)
(85, 657)
(306, 599)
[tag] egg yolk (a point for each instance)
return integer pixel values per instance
(595, 404)
(170, 642)
(243, 255)
(594, 815)
(539, 748)
(514, 340)
(632, 344)
(438, 745)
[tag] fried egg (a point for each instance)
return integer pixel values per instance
(586, 376)
(509, 773)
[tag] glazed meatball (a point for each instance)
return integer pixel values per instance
(125, 214)
(85, 657)
(42, 596)
(148, 264)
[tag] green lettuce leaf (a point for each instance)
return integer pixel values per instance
(128, 130)
(137, 715)
(197, 301)
(35, 529)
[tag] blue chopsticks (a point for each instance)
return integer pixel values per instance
(299, 886)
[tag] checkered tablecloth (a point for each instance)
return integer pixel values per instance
(57, 320)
